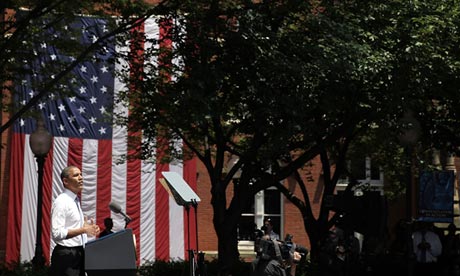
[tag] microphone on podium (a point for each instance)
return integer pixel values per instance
(117, 209)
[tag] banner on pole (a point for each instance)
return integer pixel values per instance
(436, 196)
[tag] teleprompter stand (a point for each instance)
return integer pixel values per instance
(185, 196)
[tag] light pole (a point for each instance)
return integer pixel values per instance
(409, 137)
(40, 144)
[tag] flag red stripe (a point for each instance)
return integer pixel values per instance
(190, 177)
(104, 181)
(133, 177)
(74, 153)
(133, 198)
(47, 202)
(13, 234)
(161, 212)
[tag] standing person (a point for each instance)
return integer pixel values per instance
(69, 228)
(268, 229)
(108, 223)
(427, 248)
(451, 251)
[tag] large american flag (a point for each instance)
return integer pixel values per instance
(85, 136)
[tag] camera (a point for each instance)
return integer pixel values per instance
(268, 249)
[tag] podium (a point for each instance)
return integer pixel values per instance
(113, 255)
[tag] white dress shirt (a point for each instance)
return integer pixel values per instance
(66, 214)
(428, 255)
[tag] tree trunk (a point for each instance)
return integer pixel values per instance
(227, 246)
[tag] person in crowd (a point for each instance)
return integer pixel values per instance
(268, 229)
(427, 248)
(108, 224)
(270, 261)
(69, 228)
(451, 251)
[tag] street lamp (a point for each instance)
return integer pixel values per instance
(408, 138)
(40, 143)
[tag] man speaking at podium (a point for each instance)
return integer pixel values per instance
(69, 228)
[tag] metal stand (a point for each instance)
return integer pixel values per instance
(39, 260)
(196, 268)
(191, 252)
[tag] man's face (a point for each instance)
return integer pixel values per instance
(268, 226)
(75, 181)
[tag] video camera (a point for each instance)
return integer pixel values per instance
(268, 249)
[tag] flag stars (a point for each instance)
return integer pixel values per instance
(82, 109)
(61, 127)
(82, 90)
(61, 107)
(102, 110)
(41, 105)
(102, 130)
(72, 99)
(92, 120)
(83, 68)
(82, 130)
(43, 45)
(94, 79)
(104, 69)
(71, 119)
(93, 100)
(52, 117)
(94, 39)
(53, 57)
(103, 89)
(31, 93)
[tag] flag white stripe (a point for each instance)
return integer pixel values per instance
(147, 216)
(60, 160)
(29, 204)
(176, 221)
(119, 147)
(89, 172)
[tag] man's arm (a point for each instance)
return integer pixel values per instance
(90, 229)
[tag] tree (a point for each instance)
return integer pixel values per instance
(259, 81)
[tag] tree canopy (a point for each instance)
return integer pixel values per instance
(278, 83)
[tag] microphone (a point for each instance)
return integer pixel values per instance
(117, 209)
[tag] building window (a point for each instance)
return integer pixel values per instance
(266, 203)
(365, 172)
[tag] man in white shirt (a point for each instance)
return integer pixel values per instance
(427, 248)
(69, 228)
(268, 229)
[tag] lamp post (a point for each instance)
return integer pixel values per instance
(409, 137)
(40, 144)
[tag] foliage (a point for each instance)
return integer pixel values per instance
(23, 269)
(160, 267)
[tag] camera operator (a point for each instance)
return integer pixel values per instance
(277, 258)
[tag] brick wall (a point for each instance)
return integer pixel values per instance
(293, 222)
(207, 239)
